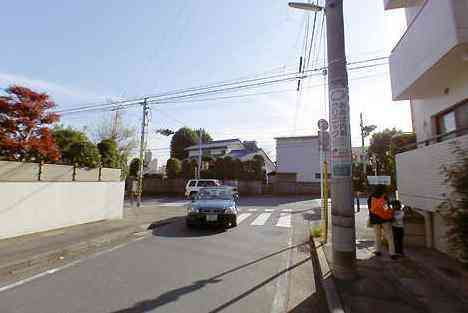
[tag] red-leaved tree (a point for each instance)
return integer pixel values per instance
(25, 116)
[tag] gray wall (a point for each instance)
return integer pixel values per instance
(29, 207)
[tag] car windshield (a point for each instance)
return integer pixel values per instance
(215, 193)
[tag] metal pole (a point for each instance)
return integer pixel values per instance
(199, 153)
(342, 214)
(142, 150)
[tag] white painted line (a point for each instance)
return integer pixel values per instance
(284, 220)
(252, 210)
(58, 269)
(269, 210)
(280, 301)
(261, 219)
(286, 210)
(242, 217)
(172, 204)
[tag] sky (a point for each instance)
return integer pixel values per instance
(83, 52)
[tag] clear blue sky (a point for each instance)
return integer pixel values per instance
(86, 51)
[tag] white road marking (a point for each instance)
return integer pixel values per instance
(252, 210)
(280, 303)
(286, 210)
(61, 268)
(172, 203)
(242, 217)
(261, 219)
(269, 210)
(284, 220)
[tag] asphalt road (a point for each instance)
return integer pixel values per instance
(244, 269)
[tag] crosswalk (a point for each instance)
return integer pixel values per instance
(263, 217)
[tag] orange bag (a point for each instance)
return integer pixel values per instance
(380, 208)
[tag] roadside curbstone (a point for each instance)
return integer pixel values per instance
(327, 280)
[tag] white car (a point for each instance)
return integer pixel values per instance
(194, 185)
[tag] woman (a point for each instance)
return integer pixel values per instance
(381, 216)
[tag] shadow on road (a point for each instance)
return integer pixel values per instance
(174, 294)
(175, 227)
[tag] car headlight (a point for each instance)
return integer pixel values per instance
(191, 209)
(229, 210)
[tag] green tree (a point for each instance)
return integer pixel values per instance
(173, 168)
(183, 138)
(188, 169)
(258, 167)
(85, 154)
(134, 167)
(383, 147)
(110, 156)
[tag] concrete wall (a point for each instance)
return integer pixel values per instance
(419, 179)
(24, 171)
(424, 109)
(437, 30)
(299, 155)
(29, 207)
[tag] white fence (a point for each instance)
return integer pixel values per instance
(28, 205)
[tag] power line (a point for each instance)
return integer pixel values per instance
(257, 82)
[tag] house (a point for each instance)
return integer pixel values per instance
(429, 67)
(300, 157)
(234, 148)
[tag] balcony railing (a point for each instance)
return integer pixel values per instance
(410, 25)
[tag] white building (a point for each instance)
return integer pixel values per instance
(300, 155)
(234, 148)
(429, 67)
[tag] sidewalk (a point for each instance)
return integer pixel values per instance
(24, 255)
(423, 281)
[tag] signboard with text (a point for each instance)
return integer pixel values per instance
(341, 154)
(379, 180)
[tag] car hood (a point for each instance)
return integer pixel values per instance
(213, 204)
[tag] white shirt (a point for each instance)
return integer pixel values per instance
(398, 217)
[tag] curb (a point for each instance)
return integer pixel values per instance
(327, 280)
(74, 250)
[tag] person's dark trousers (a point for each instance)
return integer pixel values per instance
(398, 234)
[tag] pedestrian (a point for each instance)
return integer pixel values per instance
(398, 227)
(381, 217)
(133, 190)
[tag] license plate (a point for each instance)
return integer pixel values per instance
(212, 218)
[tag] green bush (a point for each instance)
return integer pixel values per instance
(455, 208)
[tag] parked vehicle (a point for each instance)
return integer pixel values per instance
(194, 185)
(213, 205)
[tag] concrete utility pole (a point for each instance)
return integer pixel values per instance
(343, 227)
(343, 224)
(144, 123)
(199, 153)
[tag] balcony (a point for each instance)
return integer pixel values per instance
(420, 182)
(398, 4)
(432, 50)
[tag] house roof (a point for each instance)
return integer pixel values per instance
(214, 143)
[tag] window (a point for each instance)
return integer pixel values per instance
(317, 175)
(193, 183)
(208, 183)
(453, 122)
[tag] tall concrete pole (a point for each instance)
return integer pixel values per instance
(142, 150)
(199, 153)
(342, 213)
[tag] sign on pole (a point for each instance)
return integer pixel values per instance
(379, 180)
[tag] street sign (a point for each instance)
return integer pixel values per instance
(379, 180)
